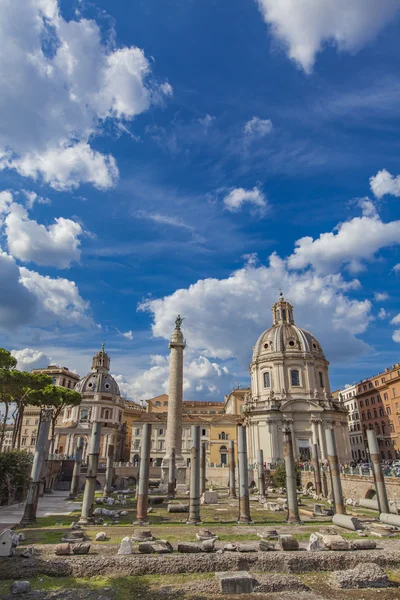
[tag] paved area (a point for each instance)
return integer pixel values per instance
(53, 504)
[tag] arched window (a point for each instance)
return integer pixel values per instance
(267, 379)
(223, 452)
(321, 379)
(295, 377)
(84, 414)
(106, 414)
(53, 380)
(223, 435)
(377, 428)
(381, 413)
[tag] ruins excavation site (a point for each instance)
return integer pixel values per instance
(256, 526)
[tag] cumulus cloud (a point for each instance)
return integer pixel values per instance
(56, 245)
(257, 127)
(384, 183)
(6, 200)
(32, 197)
(381, 296)
(396, 268)
(223, 318)
(382, 314)
(127, 334)
(237, 197)
(305, 26)
(201, 377)
(396, 336)
(352, 243)
(395, 320)
(71, 79)
(29, 359)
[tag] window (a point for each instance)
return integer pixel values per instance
(385, 397)
(161, 432)
(379, 398)
(267, 379)
(370, 385)
(53, 380)
(137, 431)
(27, 422)
(375, 413)
(368, 414)
(157, 403)
(222, 436)
(361, 404)
(381, 412)
(383, 380)
(372, 400)
(363, 416)
(223, 454)
(383, 428)
(376, 382)
(23, 441)
(36, 421)
(33, 441)
(165, 403)
(136, 445)
(392, 427)
(321, 379)
(120, 417)
(388, 411)
(204, 432)
(394, 392)
(84, 414)
(160, 445)
(295, 377)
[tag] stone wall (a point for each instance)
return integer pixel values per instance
(357, 486)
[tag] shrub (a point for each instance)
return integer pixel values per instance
(279, 477)
(15, 469)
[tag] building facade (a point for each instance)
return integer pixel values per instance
(348, 397)
(290, 388)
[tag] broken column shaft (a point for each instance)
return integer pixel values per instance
(77, 469)
(143, 488)
(293, 508)
(317, 472)
(261, 475)
(109, 470)
(335, 471)
(194, 491)
(377, 471)
(38, 461)
(202, 468)
(232, 469)
(244, 498)
(91, 475)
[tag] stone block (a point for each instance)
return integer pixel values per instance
(28, 552)
(81, 548)
(62, 549)
(209, 498)
(266, 546)
(288, 543)
(230, 547)
(273, 506)
(157, 547)
(125, 546)
(346, 522)
(364, 575)
(205, 534)
(178, 508)
(8, 542)
(237, 582)
(251, 547)
(189, 547)
(208, 545)
(20, 587)
(101, 536)
(268, 534)
(142, 535)
(363, 544)
(333, 542)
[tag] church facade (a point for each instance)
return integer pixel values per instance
(290, 387)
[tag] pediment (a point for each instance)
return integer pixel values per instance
(301, 406)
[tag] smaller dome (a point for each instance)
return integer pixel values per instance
(98, 383)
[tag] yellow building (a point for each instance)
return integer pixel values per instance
(159, 404)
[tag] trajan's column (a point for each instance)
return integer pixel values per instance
(173, 440)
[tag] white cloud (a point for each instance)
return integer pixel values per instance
(382, 314)
(396, 268)
(163, 219)
(127, 334)
(58, 300)
(353, 242)
(32, 197)
(257, 127)
(6, 200)
(395, 320)
(384, 183)
(18, 305)
(71, 79)
(305, 26)
(56, 245)
(237, 197)
(223, 318)
(381, 296)
(396, 336)
(200, 376)
(29, 359)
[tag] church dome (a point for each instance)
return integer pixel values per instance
(285, 336)
(99, 379)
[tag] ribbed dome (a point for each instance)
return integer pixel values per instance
(285, 336)
(98, 382)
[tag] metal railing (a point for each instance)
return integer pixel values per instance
(362, 471)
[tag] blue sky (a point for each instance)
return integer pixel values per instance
(196, 157)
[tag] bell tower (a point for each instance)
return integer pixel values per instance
(101, 361)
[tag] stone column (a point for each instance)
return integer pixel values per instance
(317, 472)
(202, 468)
(77, 469)
(322, 441)
(261, 475)
(109, 470)
(244, 499)
(232, 469)
(91, 475)
(335, 471)
(172, 475)
(143, 488)
(314, 429)
(38, 462)
(194, 498)
(377, 472)
(293, 509)
(173, 438)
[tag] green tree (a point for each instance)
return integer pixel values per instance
(57, 398)
(15, 468)
(279, 477)
(21, 384)
(7, 363)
